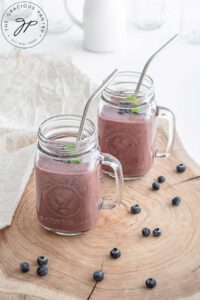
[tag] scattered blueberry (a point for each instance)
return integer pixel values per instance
(24, 267)
(121, 111)
(155, 186)
(151, 283)
(42, 260)
(42, 271)
(176, 201)
(161, 179)
(146, 232)
(98, 276)
(180, 168)
(115, 253)
(135, 209)
(156, 232)
(128, 110)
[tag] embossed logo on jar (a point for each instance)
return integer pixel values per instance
(64, 201)
(120, 143)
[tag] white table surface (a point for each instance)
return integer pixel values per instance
(176, 72)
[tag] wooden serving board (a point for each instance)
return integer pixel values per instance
(173, 259)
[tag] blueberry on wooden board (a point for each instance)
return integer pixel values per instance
(115, 253)
(156, 232)
(42, 271)
(176, 201)
(155, 186)
(146, 232)
(180, 168)
(135, 209)
(161, 179)
(151, 283)
(98, 275)
(24, 267)
(42, 260)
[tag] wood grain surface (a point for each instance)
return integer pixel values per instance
(173, 259)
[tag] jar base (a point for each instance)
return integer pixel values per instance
(150, 26)
(61, 233)
(126, 178)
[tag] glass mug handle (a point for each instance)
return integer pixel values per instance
(111, 161)
(167, 114)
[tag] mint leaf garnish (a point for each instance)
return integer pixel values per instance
(71, 148)
(136, 110)
(133, 100)
(75, 161)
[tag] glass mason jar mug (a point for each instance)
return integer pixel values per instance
(127, 124)
(67, 176)
(148, 14)
(190, 21)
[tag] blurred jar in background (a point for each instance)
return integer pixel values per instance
(190, 21)
(58, 19)
(148, 14)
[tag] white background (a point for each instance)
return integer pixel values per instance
(176, 72)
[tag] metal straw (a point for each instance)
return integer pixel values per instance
(148, 63)
(91, 99)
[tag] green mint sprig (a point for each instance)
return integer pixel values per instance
(70, 148)
(133, 100)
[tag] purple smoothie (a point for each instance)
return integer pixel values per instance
(67, 195)
(129, 137)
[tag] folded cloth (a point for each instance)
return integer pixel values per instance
(33, 87)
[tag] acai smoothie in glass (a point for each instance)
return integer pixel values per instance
(127, 124)
(67, 176)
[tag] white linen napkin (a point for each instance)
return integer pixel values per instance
(33, 87)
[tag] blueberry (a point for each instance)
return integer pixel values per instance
(42, 260)
(135, 209)
(24, 267)
(121, 111)
(156, 232)
(151, 283)
(155, 186)
(98, 276)
(180, 168)
(115, 253)
(42, 271)
(176, 201)
(146, 232)
(161, 179)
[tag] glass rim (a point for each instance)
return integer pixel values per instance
(148, 93)
(82, 147)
